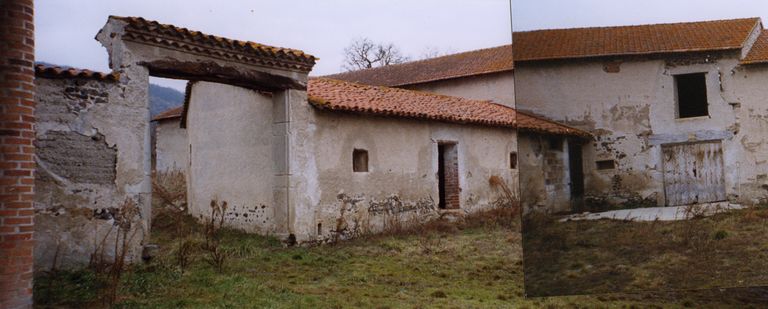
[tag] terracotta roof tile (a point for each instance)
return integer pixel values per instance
(633, 40)
(482, 61)
(155, 33)
(47, 71)
(336, 95)
(170, 113)
(759, 51)
(565, 44)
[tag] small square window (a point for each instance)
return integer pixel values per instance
(513, 160)
(606, 164)
(691, 91)
(360, 160)
(555, 143)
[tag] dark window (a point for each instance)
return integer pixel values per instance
(513, 160)
(555, 143)
(606, 164)
(359, 160)
(691, 95)
(319, 229)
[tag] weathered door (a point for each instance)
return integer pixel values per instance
(693, 173)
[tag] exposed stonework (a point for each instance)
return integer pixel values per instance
(83, 137)
(632, 115)
(76, 157)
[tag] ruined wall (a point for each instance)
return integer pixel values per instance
(231, 154)
(630, 106)
(80, 203)
(171, 146)
(750, 96)
(544, 177)
(497, 87)
(401, 185)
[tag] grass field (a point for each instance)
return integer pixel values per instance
(471, 265)
(726, 250)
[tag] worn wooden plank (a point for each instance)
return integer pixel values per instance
(693, 173)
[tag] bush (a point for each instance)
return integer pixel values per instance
(720, 235)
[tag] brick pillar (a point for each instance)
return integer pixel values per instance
(17, 109)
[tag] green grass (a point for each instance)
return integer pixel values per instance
(478, 267)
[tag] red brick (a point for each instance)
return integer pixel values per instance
(18, 205)
(17, 221)
(17, 141)
(17, 173)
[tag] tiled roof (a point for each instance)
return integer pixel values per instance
(42, 70)
(759, 51)
(154, 33)
(633, 40)
(482, 61)
(565, 44)
(336, 95)
(169, 113)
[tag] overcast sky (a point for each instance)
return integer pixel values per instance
(65, 29)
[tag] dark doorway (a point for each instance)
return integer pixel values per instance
(447, 175)
(576, 172)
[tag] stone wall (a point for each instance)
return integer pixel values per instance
(400, 187)
(631, 110)
(544, 173)
(17, 108)
(80, 206)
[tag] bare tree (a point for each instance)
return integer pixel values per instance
(431, 52)
(434, 52)
(363, 53)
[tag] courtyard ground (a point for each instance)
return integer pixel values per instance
(475, 264)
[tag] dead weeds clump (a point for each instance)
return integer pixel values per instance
(217, 255)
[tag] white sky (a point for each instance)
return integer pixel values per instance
(65, 29)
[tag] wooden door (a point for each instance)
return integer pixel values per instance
(693, 173)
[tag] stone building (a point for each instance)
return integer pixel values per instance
(489, 74)
(365, 159)
(344, 159)
(676, 110)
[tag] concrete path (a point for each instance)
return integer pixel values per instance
(656, 213)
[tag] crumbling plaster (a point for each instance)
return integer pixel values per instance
(85, 135)
(632, 112)
(400, 186)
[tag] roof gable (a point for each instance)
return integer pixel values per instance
(759, 51)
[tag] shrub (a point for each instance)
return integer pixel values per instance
(720, 235)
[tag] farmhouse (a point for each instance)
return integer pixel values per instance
(677, 110)
(304, 159)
